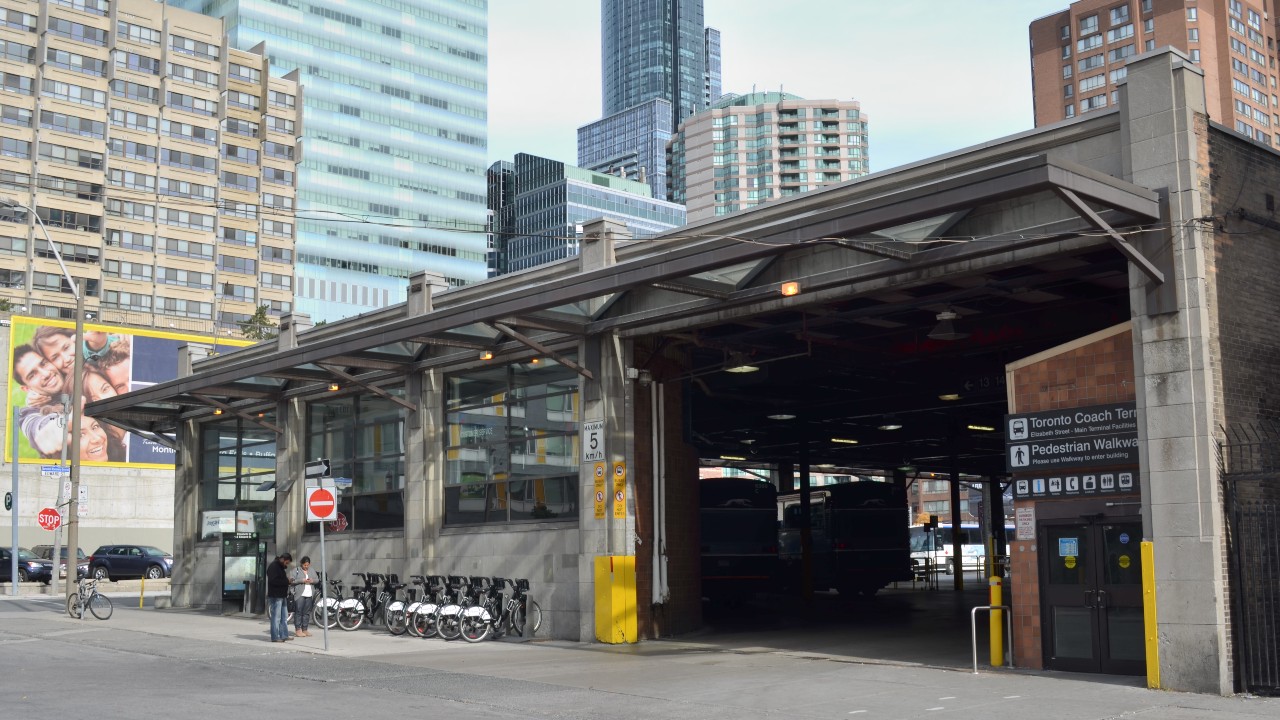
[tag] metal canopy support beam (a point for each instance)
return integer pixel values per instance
(880, 249)
(143, 433)
(242, 414)
(688, 286)
(371, 388)
(449, 342)
(365, 362)
(530, 342)
(1075, 203)
(542, 323)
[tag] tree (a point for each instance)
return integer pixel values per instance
(259, 325)
(6, 305)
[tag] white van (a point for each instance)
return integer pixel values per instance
(935, 549)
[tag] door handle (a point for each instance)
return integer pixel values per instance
(1088, 599)
(1102, 599)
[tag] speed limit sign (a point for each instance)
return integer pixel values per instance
(593, 441)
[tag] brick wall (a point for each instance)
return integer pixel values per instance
(1092, 373)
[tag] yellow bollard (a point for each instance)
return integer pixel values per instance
(997, 621)
(1151, 629)
(142, 590)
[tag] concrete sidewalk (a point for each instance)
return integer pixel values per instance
(699, 677)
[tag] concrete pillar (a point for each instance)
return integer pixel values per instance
(291, 451)
(290, 325)
(423, 286)
(1162, 105)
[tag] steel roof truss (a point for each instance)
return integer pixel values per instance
(371, 388)
(535, 345)
(1130, 252)
(240, 413)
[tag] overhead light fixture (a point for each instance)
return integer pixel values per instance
(533, 361)
(906, 466)
(733, 457)
(981, 428)
(739, 363)
(825, 466)
(889, 423)
(486, 354)
(217, 411)
(946, 329)
(781, 416)
(789, 289)
(949, 397)
(844, 441)
(334, 387)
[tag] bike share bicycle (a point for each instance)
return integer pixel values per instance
(87, 595)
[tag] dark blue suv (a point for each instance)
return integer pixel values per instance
(30, 567)
(119, 562)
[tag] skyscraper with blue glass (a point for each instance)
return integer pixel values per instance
(392, 178)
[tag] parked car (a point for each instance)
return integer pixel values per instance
(30, 567)
(117, 562)
(46, 552)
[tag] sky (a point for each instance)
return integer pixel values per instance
(932, 75)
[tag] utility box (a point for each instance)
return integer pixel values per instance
(615, 582)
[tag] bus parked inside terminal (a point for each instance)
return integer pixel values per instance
(739, 531)
(932, 548)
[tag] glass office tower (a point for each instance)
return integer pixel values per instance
(392, 179)
(653, 49)
(632, 144)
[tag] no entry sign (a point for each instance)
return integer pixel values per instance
(321, 505)
(49, 519)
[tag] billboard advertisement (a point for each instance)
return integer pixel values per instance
(116, 360)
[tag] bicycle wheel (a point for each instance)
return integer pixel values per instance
(318, 615)
(424, 622)
(449, 626)
(350, 618)
(410, 620)
(100, 606)
(396, 621)
(526, 616)
(475, 628)
(73, 606)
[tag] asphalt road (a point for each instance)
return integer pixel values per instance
(143, 663)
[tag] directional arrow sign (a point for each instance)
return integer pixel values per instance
(317, 469)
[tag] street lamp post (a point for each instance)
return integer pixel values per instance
(74, 408)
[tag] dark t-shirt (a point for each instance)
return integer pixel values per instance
(277, 580)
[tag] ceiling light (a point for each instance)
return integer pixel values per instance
(789, 289)
(949, 397)
(739, 363)
(844, 441)
(334, 387)
(217, 411)
(534, 361)
(825, 466)
(981, 428)
(890, 423)
(732, 457)
(748, 441)
(946, 329)
(486, 354)
(781, 416)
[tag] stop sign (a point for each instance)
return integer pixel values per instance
(320, 504)
(49, 519)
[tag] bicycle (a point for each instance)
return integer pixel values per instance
(394, 615)
(449, 616)
(497, 616)
(434, 596)
(87, 594)
(332, 602)
(353, 611)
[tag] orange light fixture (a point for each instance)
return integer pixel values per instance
(486, 354)
(790, 288)
(334, 387)
(217, 411)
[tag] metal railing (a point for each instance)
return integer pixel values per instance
(1008, 633)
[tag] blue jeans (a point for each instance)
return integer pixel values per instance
(278, 614)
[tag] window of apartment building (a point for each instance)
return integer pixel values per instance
(231, 208)
(135, 91)
(277, 150)
(278, 202)
(191, 104)
(1149, 45)
(77, 31)
(1193, 14)
(65, 187)
(239, 181)
(244, 73)
(276, 176)
(17, 52)
(197, 48)
(17, 84)
(280, 125)
(187, 131)
(56, 282)
(1195, 54)
(182, 188)
(241, 293)
(1066, 52)
(131, 210)
(93, 7)
(74, 93)
(130, 240)
(119, 147)
(132, 120)
(1064, 32)
(186, 248)
(126, 270)
(1193, 35)
(280, 99)
(1092, 83)
(120, 177)
(1088, 24)
(185, 278)
(188, 161)
(240, 127)
(71, 156)
(1255, 20)
(13, 245)
(277, 228)
(70, 252)
(18, 20)
(136, 62)
(277, 254)
(1069, 111)
(1120, 14)
(1149, 25)
(13, 115)
(73, 62)
(244, 100)
(193, 76)
(238, 236)
(1146, 6)
(137, 33)
(15, 180)
(240, 154)
(1089, 43)
(119, 300)
(71, 124)
(69, 219)
(13, 214)
(186, 219)
(1119, 74)
(231, 263)
(178, 307)
(1094, 103)
(1121, 53)
(1091, 62)
(1120, 33)
(277, 281)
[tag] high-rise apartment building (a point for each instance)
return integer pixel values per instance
(747, 149)
(539, 204)
(658, 57)
(1078, 56)
(393, 181)
(162, 164)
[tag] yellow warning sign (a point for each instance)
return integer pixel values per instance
(597, 476)
(1069, 561)
(619, 490)
(1124, 562)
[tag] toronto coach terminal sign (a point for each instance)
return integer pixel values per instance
(1099, 436)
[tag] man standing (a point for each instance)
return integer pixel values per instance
(277, 596)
